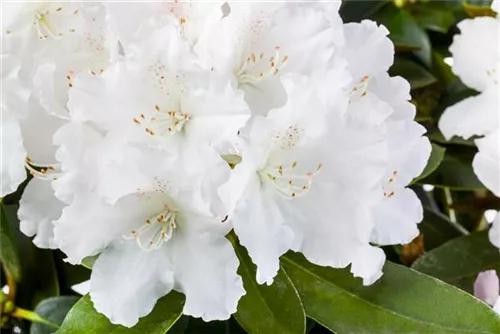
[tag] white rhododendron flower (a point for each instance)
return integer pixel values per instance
(479, 115)
(160, 238)
(152, 130)
(395, 210)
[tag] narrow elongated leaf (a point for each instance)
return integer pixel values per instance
(83, 318)
(438, 229)
(437, 156)
(268, 309)
(402, 301)
(9, 254)
(54, 310)
(460, 260)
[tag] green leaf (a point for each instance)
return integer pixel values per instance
(9, 254)
(438, 229)
(356, 11)
(460, 260)
(437, 156)
(39, 280)
(433, 19)
(406, 34)
(268, 309)
(54, 310)
(84, 319)
(402, 301)
(455, 171)
(416, 74)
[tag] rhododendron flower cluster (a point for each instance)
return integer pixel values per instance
(479, 115)
(152, 130)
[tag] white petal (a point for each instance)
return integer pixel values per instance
(126, 281)
(88, 225)
(13, 156)
(494, 232)
(476, 115)
(486, 163)
(369, 51)
(205, 268)
(475, 52)
(260, 228)
(38, 209)
(38, 129)
(368, 263)
(487, 287)
(82, 288)
(409, 151)
(395, 91)
(325, 240)
(396, 218)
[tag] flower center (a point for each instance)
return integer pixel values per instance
(155, 231)
(289, 182)
(258, 68)
(163, 123)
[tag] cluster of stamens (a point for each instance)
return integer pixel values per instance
(155, 231)
(44, 27)
(163, 123)
(248, 73)
(42, 171)
(288, 181)
(388, 193)
(360, 89)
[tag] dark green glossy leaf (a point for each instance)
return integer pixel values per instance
(54, 310)
(437, 156)
(268, 309)
(83, 318)
(402, 301)
(39, 277)
(460, 260)
(455, 172)
(416, 74)
(438, 229)
(356, 11)
(9, 253)
(406, 34)
(433, 19)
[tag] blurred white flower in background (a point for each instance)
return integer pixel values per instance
(476, 61)
(487, 287)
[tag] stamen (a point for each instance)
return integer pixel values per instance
(249, 72)
(163, 123)
(287, 182)
(48, 172)
(360, 89)
(155, 231)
